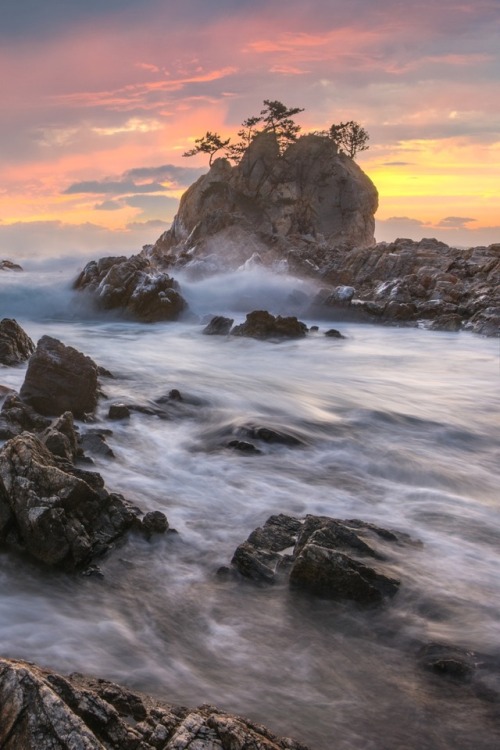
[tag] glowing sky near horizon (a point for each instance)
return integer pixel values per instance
(100, 98)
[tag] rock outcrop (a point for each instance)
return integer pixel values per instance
(9, 265)
(60, 378)
(260, 324)
(58, 514)
(15, 345)
(231, 213)
(42, 710)
(134, 286)
(322, 556)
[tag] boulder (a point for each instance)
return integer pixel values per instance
(60, 378)
(57, 514)
(322, 556)
(16, 416)
(15, 345)
(218, 326)
(61, 437)
(260, 324)
(44, 710)
(133, 286)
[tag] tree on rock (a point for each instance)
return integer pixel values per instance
(349, 137)
(277, 119)
(210, 143)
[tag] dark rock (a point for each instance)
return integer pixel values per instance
(16, 416)
(8, 265)
(323, 556)
(42, 710)
(218, 326)
(154, 522)
(260, 324)
(94, 441)
(134, 286)
(15, 345)
(54, 512)
(175, 395)
(447, 323)
(60, 378)
(269, 435)
(448, 661)
(243, 447)
(334, 334)
(334, 575)
(118, 411)
(61, 437)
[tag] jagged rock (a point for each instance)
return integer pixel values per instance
(16, 416)
(235, 213)
(118, 411)
(15, 345)
(61, 437)
(134, 286)
(218, 326)
(8, 265)
(323, 556)
(60, 378)
(42, 710)
(59, 515)
(260, 324)
(94, 441)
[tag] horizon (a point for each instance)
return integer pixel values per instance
(102, 99)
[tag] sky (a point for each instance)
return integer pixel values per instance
(100, 99)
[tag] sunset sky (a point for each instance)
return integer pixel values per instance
(100, 98)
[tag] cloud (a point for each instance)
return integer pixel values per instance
(455, 222)
(151, 224)
(108, 206)
(397, 163)
(132, 181)
(112, 187)
(152, 206)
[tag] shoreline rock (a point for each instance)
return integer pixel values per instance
(15, 345)
(43, 710)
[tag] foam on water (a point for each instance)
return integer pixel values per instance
(399, 427)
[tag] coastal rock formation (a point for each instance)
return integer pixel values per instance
(406, 281)
(260, 324)
(322, 556)
(232, 213)
(133, 286)
(60, 515)
(42, 710)
(15, 345)
(16, 416)
(60, 378)
(218, 326)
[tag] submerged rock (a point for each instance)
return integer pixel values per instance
(322, 556)
(42, 710)
(59, 515)
(133, 286)
(60, 378)
(260, 324)
(15, 345)
(9, 265)
(218, 326)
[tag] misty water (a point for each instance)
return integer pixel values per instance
(400, 427)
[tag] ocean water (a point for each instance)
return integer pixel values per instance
(400, 427)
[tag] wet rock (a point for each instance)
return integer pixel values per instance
(118, 411)
(61, 437)
(16, 416)
(8, 265)
(260, 324)
(447, 323)
(334, 334)
(133, 286)
(448, 661)
(59, 515)
(60, 378)
(322, 556)
(218, 326)
(44, 710)
(94, 441)
(243, 447)
(15, 345)
(154, 522)
(270, 435)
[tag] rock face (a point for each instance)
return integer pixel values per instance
(332, 559)
(60, 515)
(231, 213)
(133, 286)
(406, 282)
(60, 378)
(41, 710)
(15, 345)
